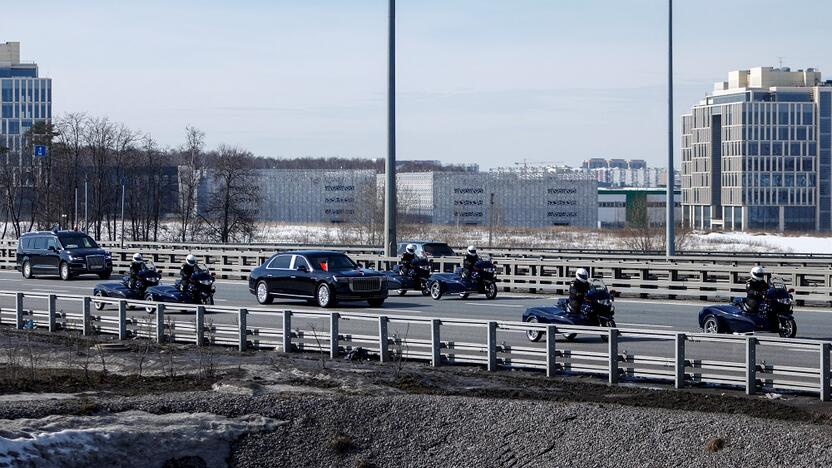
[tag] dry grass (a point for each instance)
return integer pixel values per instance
(714, 444)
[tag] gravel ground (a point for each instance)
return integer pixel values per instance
(429, 430)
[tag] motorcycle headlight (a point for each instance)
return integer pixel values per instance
(605, 302)
(206, 282)
(424, 267)
(785, 300)
(108, 255)
(488, 270)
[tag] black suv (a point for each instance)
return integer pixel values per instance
(63, 253)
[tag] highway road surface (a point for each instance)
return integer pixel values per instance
(813, 323)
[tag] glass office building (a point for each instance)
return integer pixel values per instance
(24, 100)
(756, 153)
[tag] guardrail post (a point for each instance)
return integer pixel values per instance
(551, 350)
(333, 334)
(52, 311)
(750, 365)
(287, 331)
(382, 339)
(679, 367)
(491, 344)
(612, 341)
(242, 327)
(86, 316)
(200, 325)
(122, 319)
(160, 322)
(435, 344)
(824, 371)
(18, 311)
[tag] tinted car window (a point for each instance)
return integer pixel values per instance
(438, 250)
(27, 243)
(40, 243)
(52, 242)
(300, 261)
(78, 241)
(331, 262)
(281, 261)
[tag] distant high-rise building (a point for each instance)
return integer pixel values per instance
(757, 153)
(594, 163)
(24, 100)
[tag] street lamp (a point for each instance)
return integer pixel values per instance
(390, 165)
(670, 221)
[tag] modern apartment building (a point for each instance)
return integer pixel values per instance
(756, 153)
(24, 99)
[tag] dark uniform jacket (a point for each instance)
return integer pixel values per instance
(755, 293)
(577, 294)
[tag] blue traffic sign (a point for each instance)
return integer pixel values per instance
(40, 150)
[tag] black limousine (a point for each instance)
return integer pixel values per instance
(319, 276)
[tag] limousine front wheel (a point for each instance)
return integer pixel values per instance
(64, 270)
(323, 295)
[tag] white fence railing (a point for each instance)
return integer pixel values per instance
(495, 344)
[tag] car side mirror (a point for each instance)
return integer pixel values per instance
(52, 248)
(302, 268)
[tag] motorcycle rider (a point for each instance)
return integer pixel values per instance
(755, 289)
(471, 259)
(578, 289)
(406, 262)
(136, 266)
(186, 271)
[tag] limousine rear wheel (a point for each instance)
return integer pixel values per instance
(324, 296)
(263, 296)
(27, 269)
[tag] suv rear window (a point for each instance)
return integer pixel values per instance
(78, 241)
(438, 249)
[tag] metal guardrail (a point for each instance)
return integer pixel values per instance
(429, 341)
(714, 279)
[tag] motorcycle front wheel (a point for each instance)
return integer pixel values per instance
(788, 328)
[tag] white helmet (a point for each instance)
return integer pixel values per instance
(137, 258)
(582, 275)
(411, 248)
(472, 250)
(190, 259)
(758, 272)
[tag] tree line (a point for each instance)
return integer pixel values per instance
(90, 160)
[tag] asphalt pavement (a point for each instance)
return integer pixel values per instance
(813, 323)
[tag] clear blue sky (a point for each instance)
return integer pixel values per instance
(486, 81)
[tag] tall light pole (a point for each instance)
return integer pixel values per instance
(122, 214)
(86, 212)
(75, 219)
(670, 221)
(390, 165)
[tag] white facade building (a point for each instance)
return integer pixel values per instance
(756, 153)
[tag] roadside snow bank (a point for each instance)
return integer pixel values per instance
(130, 438)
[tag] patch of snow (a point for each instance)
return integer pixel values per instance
(16, 397)
(133, 438)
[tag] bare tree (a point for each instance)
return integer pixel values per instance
(232, 203)
(189, 177)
